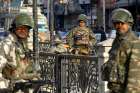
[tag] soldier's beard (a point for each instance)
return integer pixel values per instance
(122, 33)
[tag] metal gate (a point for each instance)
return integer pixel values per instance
(69, 73)
(65, 73)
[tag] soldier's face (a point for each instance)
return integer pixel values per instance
(22, 32)
(82, 24)
(121, 27)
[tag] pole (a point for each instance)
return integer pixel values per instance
(103, 1)
(91, 8)
(35, 36)
(52, 32)
(48, 11)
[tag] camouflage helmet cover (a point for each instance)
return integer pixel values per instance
(23, 19)
(82, 17)
(122, 15)
(57, 40)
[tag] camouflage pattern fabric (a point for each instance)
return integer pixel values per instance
(81, 39)
(120, 55)
(8, 52)
(122, 15)
(17, 63)
(58, 49)
(134, 69)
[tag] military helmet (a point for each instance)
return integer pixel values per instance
(23, 19)
(122, 15)
(82, 17)
(57, 40)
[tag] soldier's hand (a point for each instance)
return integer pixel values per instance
(115, 87)
(105, 71)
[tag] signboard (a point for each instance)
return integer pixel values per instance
(11, 6)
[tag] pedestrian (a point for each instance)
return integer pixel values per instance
(15, 52)
(81, 39)
(100, 30)
(122, 69)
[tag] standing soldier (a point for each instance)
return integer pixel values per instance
(81, 39)
(14, 50)
(122, 69)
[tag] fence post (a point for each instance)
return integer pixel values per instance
(103, 49)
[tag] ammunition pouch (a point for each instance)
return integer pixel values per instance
(80, 50)
(81, 40)
(77, 37)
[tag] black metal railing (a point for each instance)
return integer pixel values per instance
(65, 73)
(44, 46)
(70, 73)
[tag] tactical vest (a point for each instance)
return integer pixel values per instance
(81, 36)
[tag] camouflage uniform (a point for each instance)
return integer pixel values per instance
(81, 39)
(120, 55)
(59, 46)
(15, 51)
(133, 83)
(120, 66)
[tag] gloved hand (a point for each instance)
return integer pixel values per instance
(105, 71)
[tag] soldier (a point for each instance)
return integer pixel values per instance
(122, 54)
(59, 46)
(81, 39)
(14, 50)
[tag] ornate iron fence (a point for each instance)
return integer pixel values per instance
(70, 73)
(65, 73)
(44, 46)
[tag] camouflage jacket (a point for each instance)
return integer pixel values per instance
(119, 58)
(81, 36)
(81, 40)
(8, 51)
(13, 52)
(133, 83)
